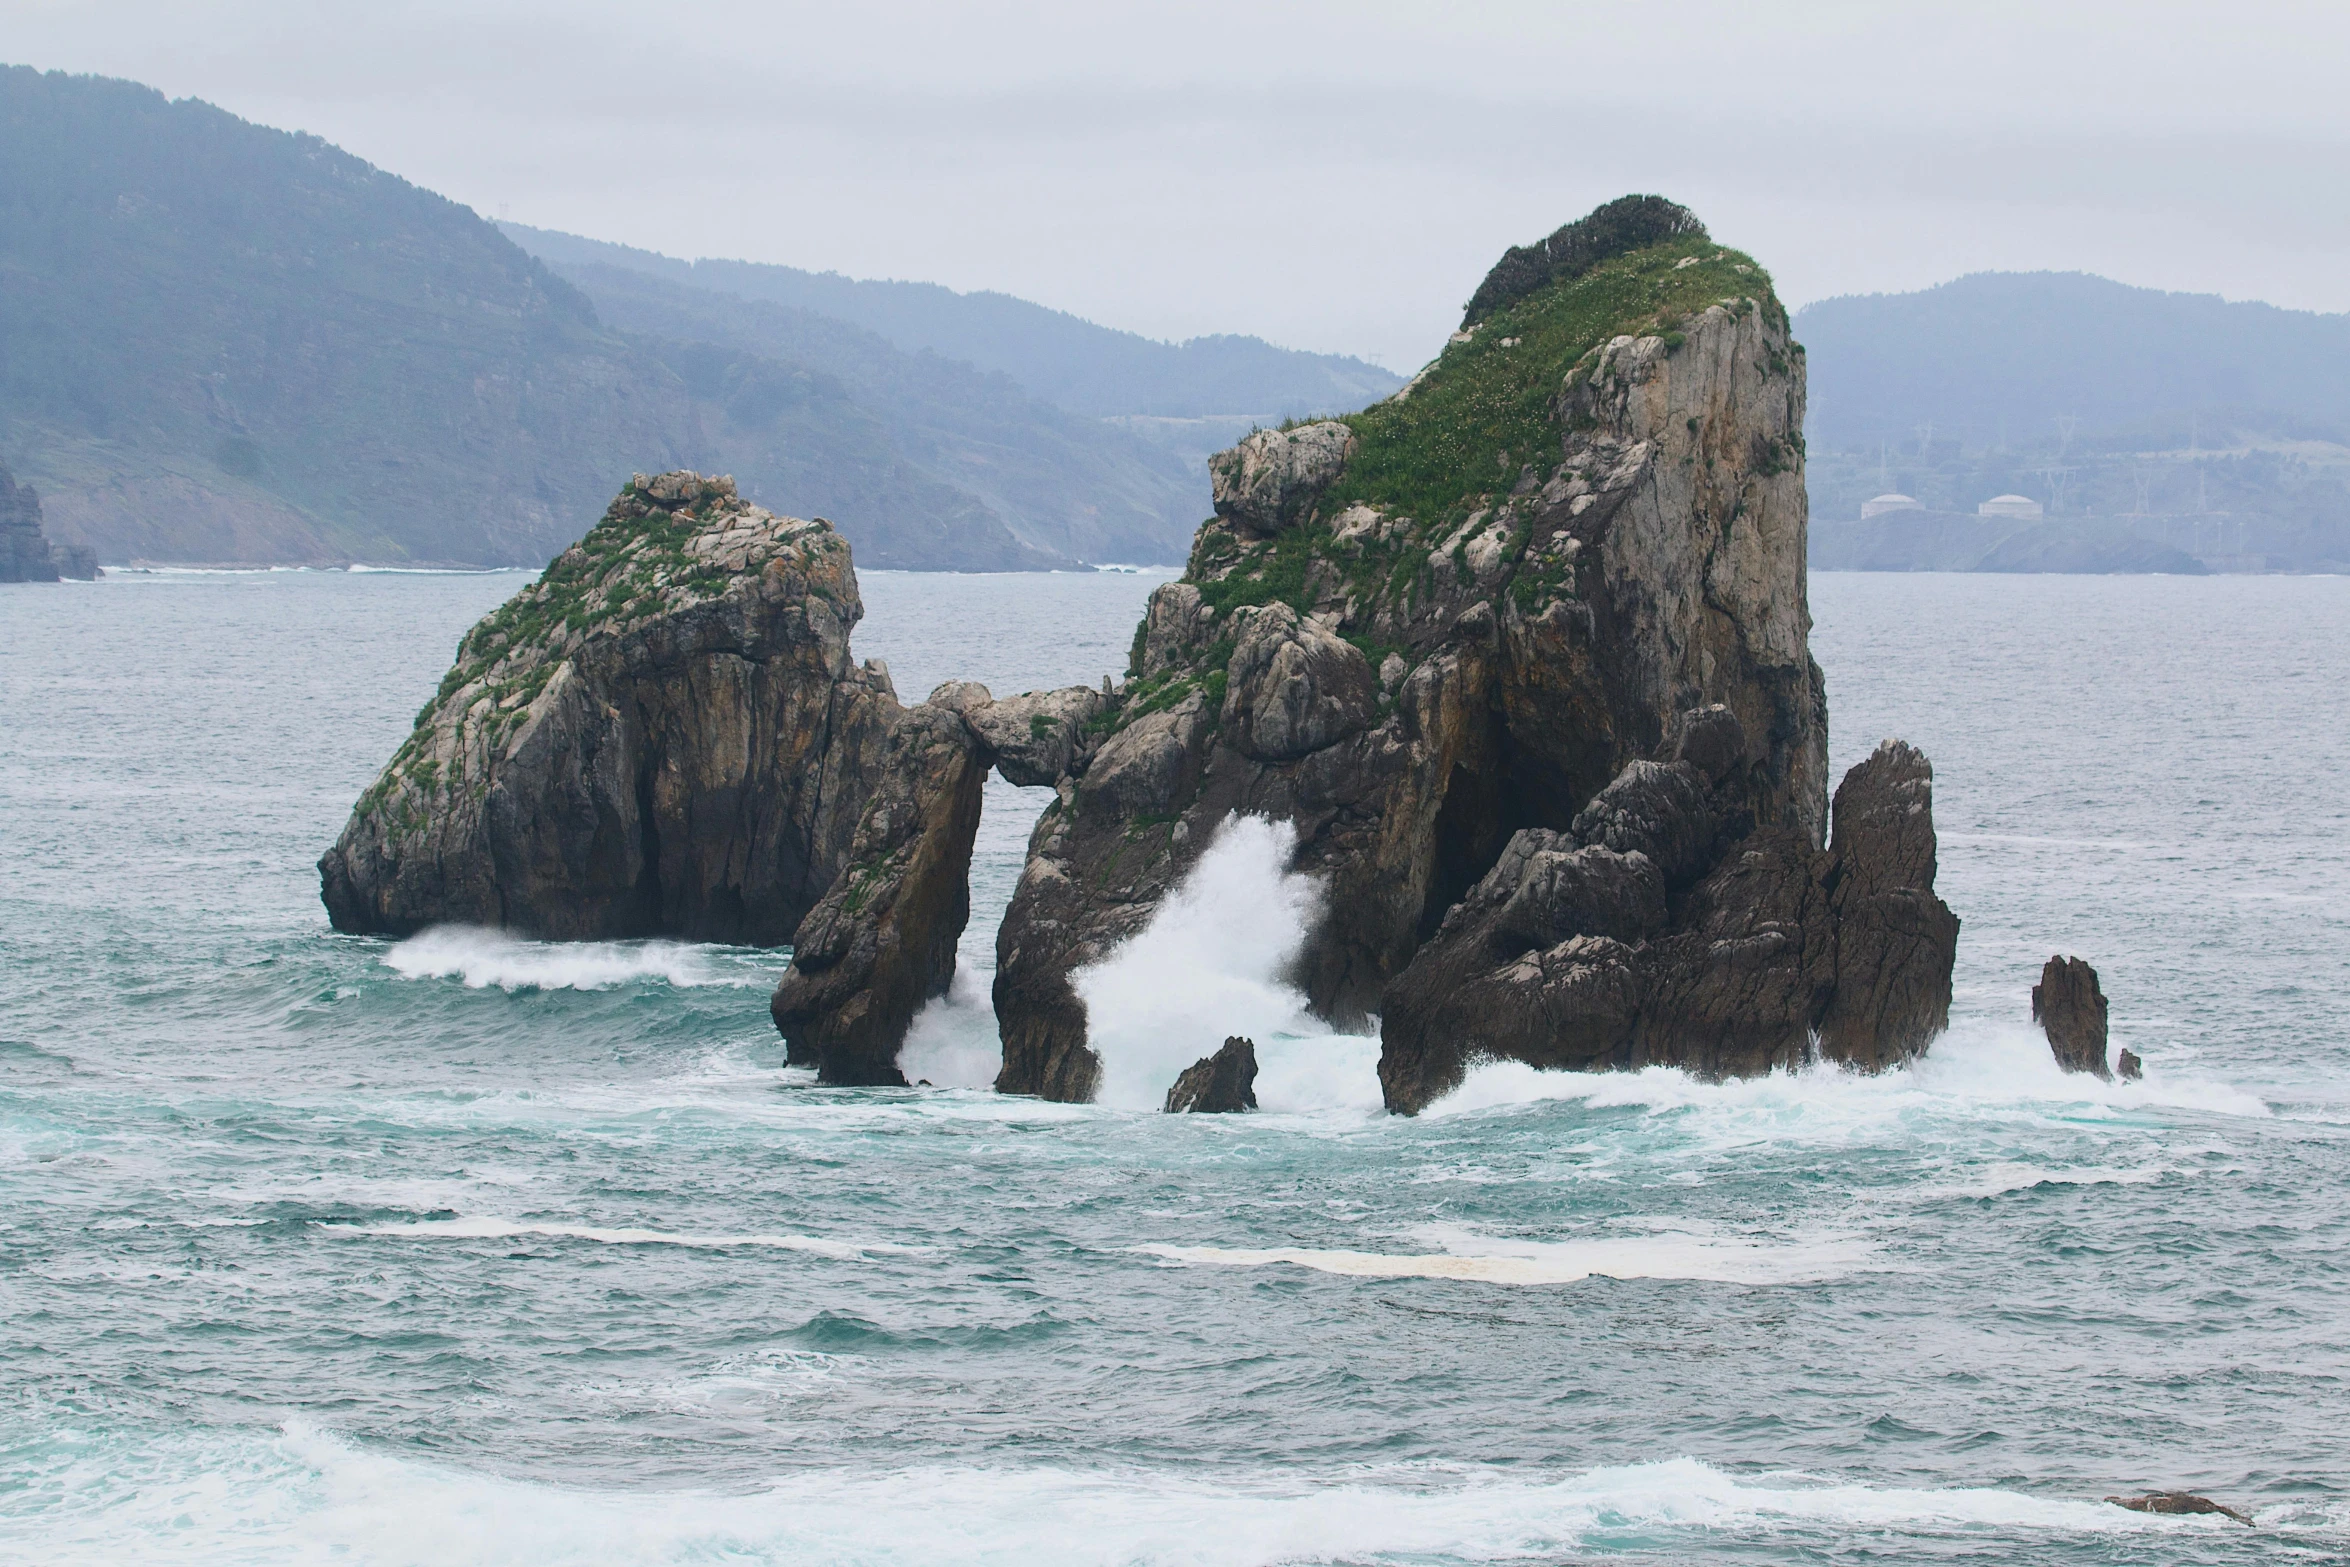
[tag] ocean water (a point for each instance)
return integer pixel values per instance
(467, 1249)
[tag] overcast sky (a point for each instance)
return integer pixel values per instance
(1329, 176)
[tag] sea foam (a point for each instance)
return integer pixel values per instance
(482, 958)
(1481, 1260)
(311, 1494)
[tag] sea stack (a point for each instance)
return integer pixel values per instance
(26, 554)
(1532, 633)
(663, 735)
(2069, 1006)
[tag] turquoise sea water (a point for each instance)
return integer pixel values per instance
(323, 1249)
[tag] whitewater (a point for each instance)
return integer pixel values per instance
(468, 1248)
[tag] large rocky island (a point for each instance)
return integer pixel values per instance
(1521, 653)
(1531, 634)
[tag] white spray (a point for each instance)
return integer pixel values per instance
(1209, 964)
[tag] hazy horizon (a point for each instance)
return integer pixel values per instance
(1326, 178)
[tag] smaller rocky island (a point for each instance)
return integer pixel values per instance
(663, 735)
(26, 553)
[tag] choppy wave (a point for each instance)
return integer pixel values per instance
(953, 1041)
(483, 958)
(310, 1494)
(477, 1229)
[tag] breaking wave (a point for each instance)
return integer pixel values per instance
(311, 1494)
(483, 958)
(1979, 1066)
(1211, 963)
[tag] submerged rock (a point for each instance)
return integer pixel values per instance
(2070, 1008)
(882, 940)
(663, 735)
(2178, 1503)
(1222, 1084)
(1435, 632)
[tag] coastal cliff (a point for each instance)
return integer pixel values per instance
(663, 735)
(1425, 630)
(26, 555)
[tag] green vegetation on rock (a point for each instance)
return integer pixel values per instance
(636, 563)
(1487, 408)
(1482, 422)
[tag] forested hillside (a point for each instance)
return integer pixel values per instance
(1079, 366)
(221, 342)
(1066, 484)
(1994, 359)
(2209, 429)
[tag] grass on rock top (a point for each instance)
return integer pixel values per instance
(629, 563)
(1484, 410)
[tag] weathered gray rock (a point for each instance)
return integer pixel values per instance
(663, 735)
(1679, 935)
(1271, 480)
(1036, 738)
(882, 940)
(1414, 691)
(1222, 1084)
(1295, 686)
(25, 553)
(1896, 942)
(2070, 1008)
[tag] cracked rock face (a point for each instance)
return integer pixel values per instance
(1272, 479)
(1416, 688)
(882, 940)
(1670, 931)
(663, 735)
(1295, 687)
(2069, 1005)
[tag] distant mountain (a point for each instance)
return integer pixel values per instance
(1073, 363)
(1068, 485)
(1994, 359)
(2197, 427)
(220, 342)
